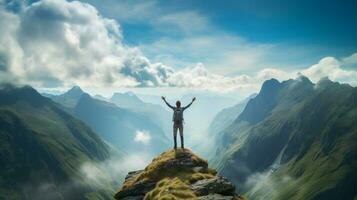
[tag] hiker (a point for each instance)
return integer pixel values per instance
(177, 119)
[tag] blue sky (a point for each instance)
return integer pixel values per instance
(327, 28)
(306, 30)
(327, 23)
(218, 46)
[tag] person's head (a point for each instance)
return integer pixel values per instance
(178, 104)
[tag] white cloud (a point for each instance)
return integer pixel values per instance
(131, 11)
(199, 77)
(163, 20)
(331, 67)
(10, 51)
(95, 174)
(269, 73)
(265, 185)
(55, 43)
(220, 52)
(142, 137)
(351, 61)
(186, 22)
(113, 169)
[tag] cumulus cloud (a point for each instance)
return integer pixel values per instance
(10, 51)
(142, 137)
(55, 43)
(332, 68)
(58, 43)
(199, 77)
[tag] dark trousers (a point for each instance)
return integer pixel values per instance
(178, 127)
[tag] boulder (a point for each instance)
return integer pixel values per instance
(134, 198)
(215, 185)
(216, 197)
(184, 161)
(133, 174)
(138, 189)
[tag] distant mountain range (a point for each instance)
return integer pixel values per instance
(42, 149)
(226, 117)
(200, 116)
(294, 140)
(153, 112)
(221, 121)
(70, 98)
(119, 125)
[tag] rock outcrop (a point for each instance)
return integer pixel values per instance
(176, 175)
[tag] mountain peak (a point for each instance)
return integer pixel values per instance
(11, 93)
(324, 81)
(304, 79)
(176, 174)
(70, 98)
(126, 100)
(270, 86)
(75, 91)
(128, 94)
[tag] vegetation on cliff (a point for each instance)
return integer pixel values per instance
(176, 174)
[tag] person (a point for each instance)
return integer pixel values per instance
(177, 119)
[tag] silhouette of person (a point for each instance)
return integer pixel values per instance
(177, 119)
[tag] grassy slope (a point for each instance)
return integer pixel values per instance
(318, 133)
(155, 172)
(42, 148)
(171, 189)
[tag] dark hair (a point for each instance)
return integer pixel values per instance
(178, 104)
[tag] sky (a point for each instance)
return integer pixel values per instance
(173, 46)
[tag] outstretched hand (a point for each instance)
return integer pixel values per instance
(193, 99)
(163, 98)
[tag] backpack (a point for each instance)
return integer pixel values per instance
(178, 115)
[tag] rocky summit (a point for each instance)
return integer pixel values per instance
(176, 175)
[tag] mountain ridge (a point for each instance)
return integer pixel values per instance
(301, 122)
(43, 147)
(153, 112)
(114, 123)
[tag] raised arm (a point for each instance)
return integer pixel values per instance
(194, 98)
(163, 98)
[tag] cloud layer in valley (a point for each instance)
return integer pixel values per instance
(113, 169)
(55, 43)
(142, 137)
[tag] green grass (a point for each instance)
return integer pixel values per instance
(171, 183)
(39, 143)
(170, 189)
(155, 172)
(317, 127)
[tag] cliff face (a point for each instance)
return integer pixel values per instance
(176, 175)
